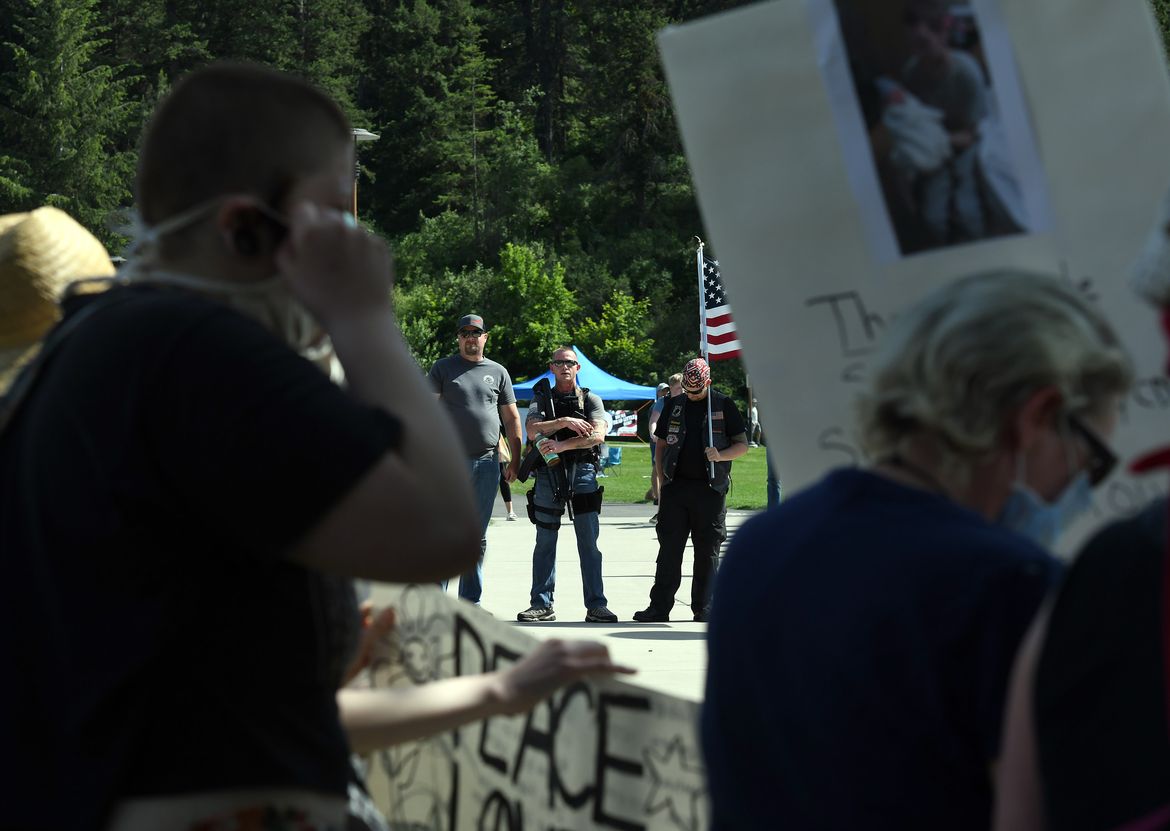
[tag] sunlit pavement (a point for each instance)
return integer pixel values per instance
(670, 657)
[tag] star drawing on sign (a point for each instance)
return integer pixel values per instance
(677, 778)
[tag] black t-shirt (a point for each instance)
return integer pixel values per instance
(692, 462)
(1100, 691)
(168, 456)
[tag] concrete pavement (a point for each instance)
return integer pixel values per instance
(670, 657)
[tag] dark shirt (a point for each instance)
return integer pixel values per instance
(692, 461)
(1100, 690)
(859, 648)
(169, 455)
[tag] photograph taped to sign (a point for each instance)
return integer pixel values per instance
(599, 754)
(931, 121)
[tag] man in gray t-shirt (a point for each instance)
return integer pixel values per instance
(478, 395)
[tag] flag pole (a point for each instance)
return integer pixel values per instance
(702, 307)
(703, 347)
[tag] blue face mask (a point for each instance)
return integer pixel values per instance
(1027, 513)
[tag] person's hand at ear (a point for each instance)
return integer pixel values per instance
(335, 267)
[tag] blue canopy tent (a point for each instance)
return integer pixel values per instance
(596, 379)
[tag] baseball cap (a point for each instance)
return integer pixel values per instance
(471, 320)
(663, 387)
(696, 374)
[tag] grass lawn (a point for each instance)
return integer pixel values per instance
(630, 481)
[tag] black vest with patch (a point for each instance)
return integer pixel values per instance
(676, 428)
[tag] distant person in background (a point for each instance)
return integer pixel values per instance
(656, 413)
(477, 393)
(573, 422)
(880, 609)
(773, 483)
(754, 426)
(695, 466)
(505, 456)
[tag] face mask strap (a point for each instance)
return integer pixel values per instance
(145, 238)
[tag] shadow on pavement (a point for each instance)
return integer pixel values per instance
(659, 634)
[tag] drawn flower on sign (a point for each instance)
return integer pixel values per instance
(676, 777)
(414, 650)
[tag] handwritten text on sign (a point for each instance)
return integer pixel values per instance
(596, 755)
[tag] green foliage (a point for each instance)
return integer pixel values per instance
(63, 116)
(1161, 9)
(618, 340)
(529, 308)
(441, 243)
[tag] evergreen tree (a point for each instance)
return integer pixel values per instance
(424, 101)
(62, 116)
(328, 48)
(148, 45)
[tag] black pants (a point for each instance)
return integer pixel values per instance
(505, 490)
(687, 507)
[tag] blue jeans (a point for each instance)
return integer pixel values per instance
(485, 478)
(773, 481)
(544, 556)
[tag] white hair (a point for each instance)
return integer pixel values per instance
(958, 362)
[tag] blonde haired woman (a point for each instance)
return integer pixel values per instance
(880, 609)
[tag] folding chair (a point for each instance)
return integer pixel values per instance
(612, 459)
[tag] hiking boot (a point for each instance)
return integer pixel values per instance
(651, 615)
(600, 614)
(535, 614)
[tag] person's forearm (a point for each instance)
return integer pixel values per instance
(583, 442)
(512, 430)
(375, 719)
(738, 448)
(545, 428)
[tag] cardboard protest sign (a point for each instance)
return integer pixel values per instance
(837, 187)
(604, 754)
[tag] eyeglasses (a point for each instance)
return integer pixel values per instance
(1102, 459)
(564, 362)
(470, 333)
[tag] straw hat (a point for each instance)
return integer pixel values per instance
(40, 253)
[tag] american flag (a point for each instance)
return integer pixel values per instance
(722, 340)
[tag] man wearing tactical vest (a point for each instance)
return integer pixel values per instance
(570, 422)
(694, 461)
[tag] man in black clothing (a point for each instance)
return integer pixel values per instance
(700, 433)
